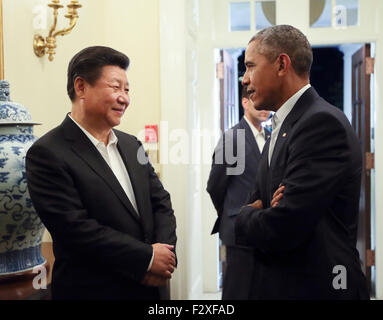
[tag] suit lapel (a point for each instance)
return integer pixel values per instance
(299, 108)
(85, 149)
(263, 174)
(128, 152)
(249, 136)
(281, 139)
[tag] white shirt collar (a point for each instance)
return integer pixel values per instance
(254, 129)
(285, 109)
(112, 136)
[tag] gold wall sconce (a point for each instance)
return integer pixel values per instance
(43, 46)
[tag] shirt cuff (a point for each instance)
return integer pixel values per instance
(151, 262)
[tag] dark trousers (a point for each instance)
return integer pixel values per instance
(104, 293)
(238, 273)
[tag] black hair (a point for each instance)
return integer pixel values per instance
(286, 39)
(88, 64)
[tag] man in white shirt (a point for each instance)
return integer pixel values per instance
(110, 218)
(303, 217)
(229, 190)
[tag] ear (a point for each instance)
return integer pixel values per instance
(79, 87)
(284, 63)
(244, 102)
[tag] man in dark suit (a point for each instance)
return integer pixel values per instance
(303, 221)
(230, 190)
(110, 218)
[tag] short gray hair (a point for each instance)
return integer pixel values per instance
(286, 39)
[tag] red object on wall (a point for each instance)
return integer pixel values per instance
(151, 133)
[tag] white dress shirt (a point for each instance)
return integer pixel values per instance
(280, 116)
(113, 158)
(259, 136)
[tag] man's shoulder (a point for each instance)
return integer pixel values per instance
(323, 109)
(322, 118)
(50, 138)
(51, 144)
(241, 125)
(126, 137)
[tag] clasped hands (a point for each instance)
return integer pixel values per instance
(277, 196)
(164, 260)
(164, 263)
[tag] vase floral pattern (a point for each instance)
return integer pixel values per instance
(21, 229)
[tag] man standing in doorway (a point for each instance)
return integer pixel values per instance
(230, 191)
(303, 221)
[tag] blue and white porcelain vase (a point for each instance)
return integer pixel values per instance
(21, 229)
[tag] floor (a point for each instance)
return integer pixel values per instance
(211, 296)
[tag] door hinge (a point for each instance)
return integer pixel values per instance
(222, 253)
(370, 258)
(370, 65)
(220, 70)
(370, 161)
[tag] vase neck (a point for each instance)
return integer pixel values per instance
(16, 129)
(4, 91)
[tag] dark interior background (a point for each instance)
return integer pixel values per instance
(326, 75)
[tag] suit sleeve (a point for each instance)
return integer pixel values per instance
(164, 219)
(218, 178)
(316, 167)
(55, 198)
(255, 194)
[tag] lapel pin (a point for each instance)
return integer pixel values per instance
(284, 134)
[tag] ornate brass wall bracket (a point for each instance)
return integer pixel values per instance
(43, 46)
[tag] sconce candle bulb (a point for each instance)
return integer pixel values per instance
(43, 46)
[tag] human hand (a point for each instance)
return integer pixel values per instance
(256, 204)
(153, 280)
(164, 260)
(277, 196)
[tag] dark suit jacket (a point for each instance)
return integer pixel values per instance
(102, 247)
(229, 192)
(318, 158)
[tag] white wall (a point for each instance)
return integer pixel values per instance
(178, 87)
(208, 89)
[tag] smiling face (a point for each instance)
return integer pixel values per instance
(262, 79)
(105, 102)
